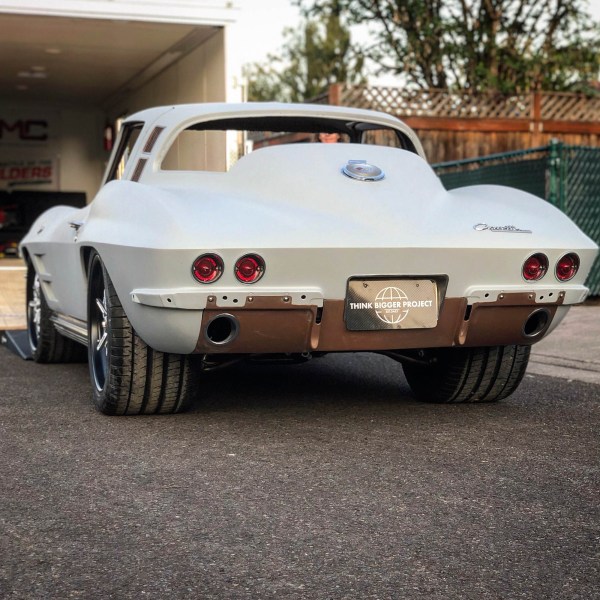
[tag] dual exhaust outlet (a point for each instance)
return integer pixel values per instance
(224, 328)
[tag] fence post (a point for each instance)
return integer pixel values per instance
(556, 195)
(335, 94)
(536, 126)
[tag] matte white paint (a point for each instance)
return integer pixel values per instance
(314, 227)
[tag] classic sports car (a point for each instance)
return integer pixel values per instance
(189, 258)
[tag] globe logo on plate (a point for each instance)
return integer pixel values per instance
(390, 305)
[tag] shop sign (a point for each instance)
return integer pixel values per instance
(23, 130)
(28, 172)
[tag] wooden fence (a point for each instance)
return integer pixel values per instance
(457, 125)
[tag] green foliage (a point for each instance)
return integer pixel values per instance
(485, 45)
(314, 56)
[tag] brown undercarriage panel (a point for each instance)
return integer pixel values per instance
(275, 325)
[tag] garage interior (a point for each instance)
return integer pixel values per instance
(65, 82)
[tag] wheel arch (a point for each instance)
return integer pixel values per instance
(85, 253)
(26, 256)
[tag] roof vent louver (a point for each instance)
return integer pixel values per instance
(138, 169)
(152, 139)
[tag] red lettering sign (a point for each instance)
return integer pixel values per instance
(30, 172)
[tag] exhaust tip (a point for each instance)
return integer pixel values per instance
(222, 329)
(537, 323)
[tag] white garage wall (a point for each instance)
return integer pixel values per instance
(73, 146)
(198, 77)
(173, 11)
(82, 156)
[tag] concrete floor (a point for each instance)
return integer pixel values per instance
(12, 294)
(572, 350)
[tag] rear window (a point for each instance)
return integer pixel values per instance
(203, 147)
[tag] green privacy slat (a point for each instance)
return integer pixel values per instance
(527, 175)
(582, 192)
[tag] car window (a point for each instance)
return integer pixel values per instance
(382, 137)
(128, 137)
(201, 150)
(195, 150)
(203, 146)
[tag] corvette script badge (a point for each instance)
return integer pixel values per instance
(500, 229)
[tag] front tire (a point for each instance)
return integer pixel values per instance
(468, 374)
(45, 343)
(128, 377)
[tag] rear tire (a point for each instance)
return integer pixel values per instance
(468, 374)
(45, 343)
(128, 377)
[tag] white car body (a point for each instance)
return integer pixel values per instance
(316, 229)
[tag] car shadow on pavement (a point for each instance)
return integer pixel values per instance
(332, 380)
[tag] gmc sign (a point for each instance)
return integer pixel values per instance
(26, 130)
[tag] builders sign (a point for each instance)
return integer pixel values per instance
(28, 150)
(26, 172)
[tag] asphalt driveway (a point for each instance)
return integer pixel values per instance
(324, 480)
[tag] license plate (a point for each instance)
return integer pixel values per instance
(391, 304)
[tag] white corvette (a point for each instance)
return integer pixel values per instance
(298, 249)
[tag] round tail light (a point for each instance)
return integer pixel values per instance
(535, 267)
(249, 268)
(207, 268)
(567, 267)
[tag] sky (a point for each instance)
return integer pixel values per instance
(259, 27)
(260, 24)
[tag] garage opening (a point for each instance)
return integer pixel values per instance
(18, 211)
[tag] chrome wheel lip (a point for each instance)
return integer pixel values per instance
(101, 304)
(34, 313)
(99, 329)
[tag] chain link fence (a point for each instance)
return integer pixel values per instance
(566, 176)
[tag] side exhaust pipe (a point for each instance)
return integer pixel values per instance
(222, 329)
(537, 323)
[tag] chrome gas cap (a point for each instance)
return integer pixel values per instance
(362, 170)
